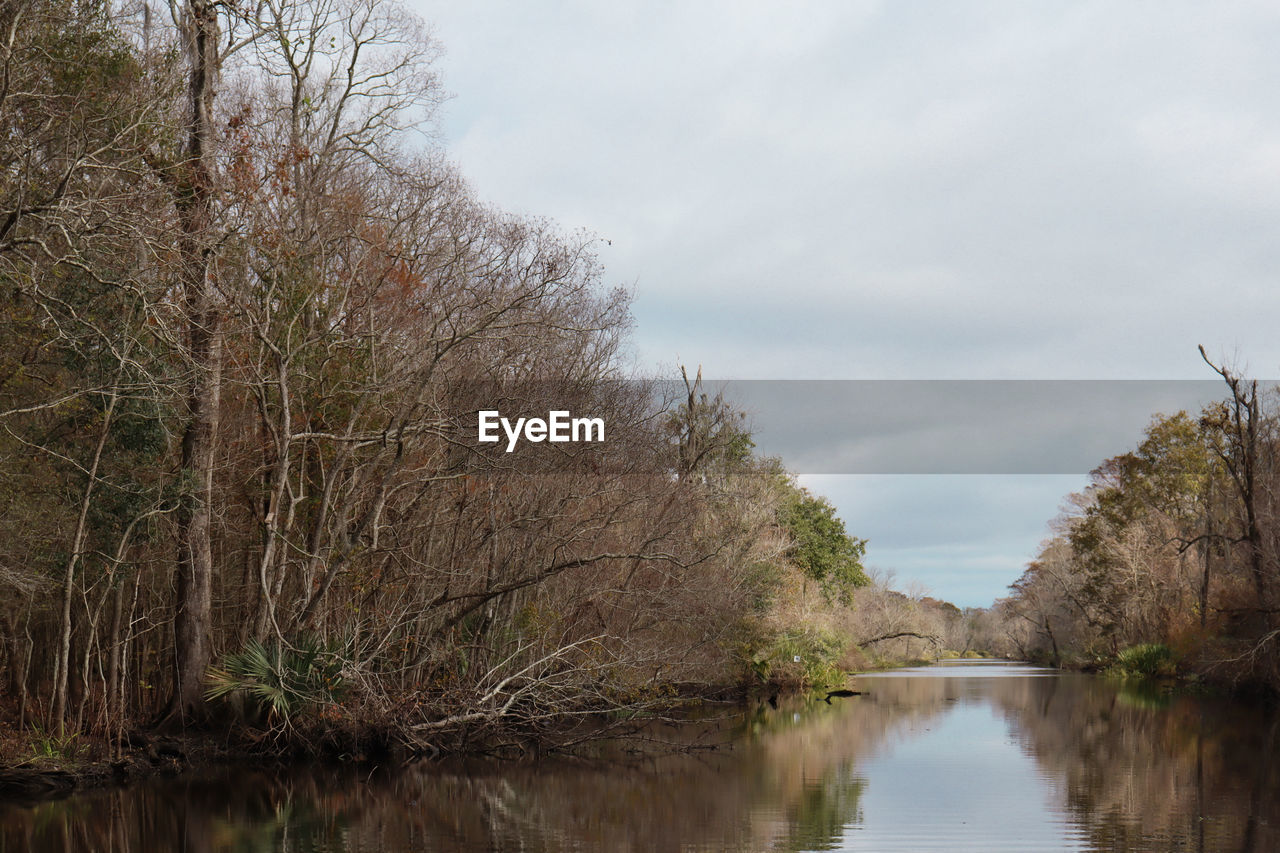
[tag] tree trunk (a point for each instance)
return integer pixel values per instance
(63, 669)
(192, 628)
(1208, 553)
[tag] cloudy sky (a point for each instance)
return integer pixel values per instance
(916, 190)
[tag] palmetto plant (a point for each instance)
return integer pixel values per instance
(280, 679)
(1147, 660)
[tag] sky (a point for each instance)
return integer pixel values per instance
(925, 190)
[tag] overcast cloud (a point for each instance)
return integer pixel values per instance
(890, 190)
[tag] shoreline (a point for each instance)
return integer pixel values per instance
(148, 755)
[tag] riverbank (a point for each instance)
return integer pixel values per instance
(1014, 757)
(1156, 665)
(37, 766)
(47, 768)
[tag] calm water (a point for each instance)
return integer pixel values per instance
(960, 757)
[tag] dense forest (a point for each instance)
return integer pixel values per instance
(1168, 562)
(250, 315)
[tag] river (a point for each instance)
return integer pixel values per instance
(963, 756)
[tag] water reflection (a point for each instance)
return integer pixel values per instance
(966, 757)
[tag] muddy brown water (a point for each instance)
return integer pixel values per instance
(964, 756)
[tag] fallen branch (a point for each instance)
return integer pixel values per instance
(932, 638)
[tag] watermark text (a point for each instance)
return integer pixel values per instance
(558, 426)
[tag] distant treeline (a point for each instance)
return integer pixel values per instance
(1170, 560)
(247, 322)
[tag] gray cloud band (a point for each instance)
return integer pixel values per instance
(955, 426)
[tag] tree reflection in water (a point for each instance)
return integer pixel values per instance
(1120, 767)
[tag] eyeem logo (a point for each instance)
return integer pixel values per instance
(558, 427)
